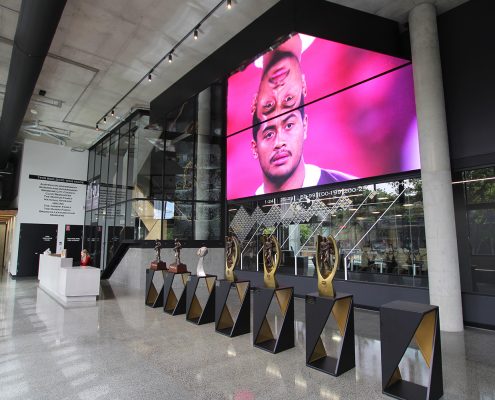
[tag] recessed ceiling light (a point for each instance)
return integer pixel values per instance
(33, 111)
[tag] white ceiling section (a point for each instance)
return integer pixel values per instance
(103, 47)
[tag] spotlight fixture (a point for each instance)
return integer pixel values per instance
(168, 55)
(97, 127)
(105, 120)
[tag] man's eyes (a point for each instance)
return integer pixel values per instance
(268, 134)
(289, 99)
(268, 105)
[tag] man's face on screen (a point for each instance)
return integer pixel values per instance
(279, 145)
(282, 86)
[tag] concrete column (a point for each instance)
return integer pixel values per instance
(441, 241)
(201, 223)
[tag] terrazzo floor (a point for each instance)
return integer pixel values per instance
(121, 349)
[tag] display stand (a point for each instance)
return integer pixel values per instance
(194, 312)
(400, 322)
(154, 298)
(318, 310)
(174, 305)
(224, 322)
(263, 337)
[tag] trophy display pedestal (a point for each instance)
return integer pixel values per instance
(174, 305)
(195, 313)
(399, 322)
(158, 265)
(153, 297)
(318, 309)
(177, 268)
(224, 323)
(263, 336)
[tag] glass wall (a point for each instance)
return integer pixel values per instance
(477, 254)
(148, 182)
(379, 229)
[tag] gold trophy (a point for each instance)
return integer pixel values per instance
(327, 262)
(271, 259)
(232, 255)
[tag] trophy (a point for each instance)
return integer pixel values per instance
(232, 253)
(271, 259)
(327, 262)
(157, 264)
(177, 267)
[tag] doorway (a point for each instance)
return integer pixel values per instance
(34, 239)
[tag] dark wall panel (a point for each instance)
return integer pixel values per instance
(468, 63)
(366, 295)
(478, 310)
(349, 26)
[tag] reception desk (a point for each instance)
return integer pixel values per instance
(67, 284)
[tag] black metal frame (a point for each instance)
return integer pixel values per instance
(263, 337)
(224, 323)
(318, 309)
(153, 297)
(194, 312)
(171, 304)
(400, 321)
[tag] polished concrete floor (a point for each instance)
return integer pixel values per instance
(121, 349)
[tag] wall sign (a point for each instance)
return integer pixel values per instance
(56, 196)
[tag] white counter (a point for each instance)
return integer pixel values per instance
(69, 285)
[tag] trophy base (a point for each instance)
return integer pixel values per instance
(158, 265)
(177, 268)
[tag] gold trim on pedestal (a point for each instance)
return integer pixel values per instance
(424, 336)
(171, 300)
(226, 320)
(283, 298)
(242, 288)
(326, 247)
(265, 333)
(210, 283)
(318, 352)
(152, 294)
(196, 309)
(340, 311)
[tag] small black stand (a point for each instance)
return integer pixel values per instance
(194, 312)
(400, 321)
(153, 298)
(263, 337)
(224, 323)
(172, 304)
(318, 310)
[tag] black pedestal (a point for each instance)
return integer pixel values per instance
(172, 304)
(223, 318)
(194, 312)
(153, 297)
(400, 321)
(318, 310)
(263, 337)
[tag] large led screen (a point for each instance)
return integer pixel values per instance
(314, 112)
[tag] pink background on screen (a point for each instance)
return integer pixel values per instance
(368, 130)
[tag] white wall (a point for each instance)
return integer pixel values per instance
(131, 271)
(49, 202)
